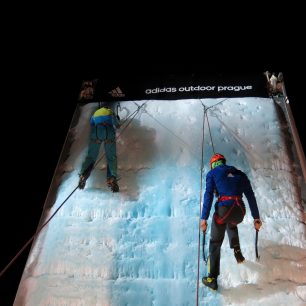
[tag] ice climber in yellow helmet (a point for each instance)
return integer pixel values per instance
(103, 130)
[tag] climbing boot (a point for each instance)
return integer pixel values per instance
(238, 255)
(210, 282)
(113, 184)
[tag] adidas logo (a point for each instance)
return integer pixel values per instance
(116, 93)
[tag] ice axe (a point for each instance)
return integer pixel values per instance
(256, 247)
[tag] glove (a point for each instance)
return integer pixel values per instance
(257, 224)
(203, 225)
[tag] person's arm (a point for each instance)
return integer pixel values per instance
(249, 193)
(207, 200)
(203, 225)
(92, 121)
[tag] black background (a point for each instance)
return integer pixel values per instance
(40, 98)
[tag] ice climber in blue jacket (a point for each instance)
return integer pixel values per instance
(228, 184)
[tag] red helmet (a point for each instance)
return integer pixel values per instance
(216, 157)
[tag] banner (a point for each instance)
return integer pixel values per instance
(173, 87)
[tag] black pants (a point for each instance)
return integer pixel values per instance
(235, 216)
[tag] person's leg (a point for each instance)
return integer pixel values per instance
(111, 153)
(236, 217)
(233, 237)
(92, 152)
(91, 156)
(111, 158)
(216, 239)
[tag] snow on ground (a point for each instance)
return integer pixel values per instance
(140, 246)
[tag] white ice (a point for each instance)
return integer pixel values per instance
(139, 247)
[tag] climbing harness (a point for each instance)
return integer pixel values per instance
(105, 125)
(237, 203)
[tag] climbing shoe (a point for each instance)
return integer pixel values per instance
(210, 282)
(82, 182)
(85, 175)
(239, 256)
(112, 183)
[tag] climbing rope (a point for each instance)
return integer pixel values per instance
(200, 206)
(129, 119)
(205, 110)
(212, 143)
(37, 232)
(170, 131)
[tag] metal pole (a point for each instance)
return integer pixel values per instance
(295, 134)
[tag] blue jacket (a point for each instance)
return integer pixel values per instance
(228, 181)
